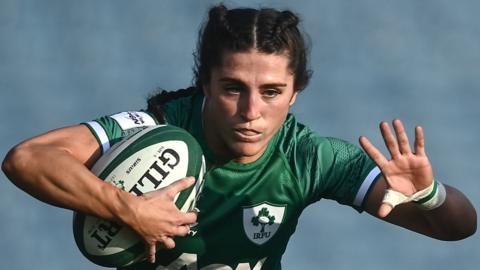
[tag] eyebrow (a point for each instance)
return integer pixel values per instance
(267, 85)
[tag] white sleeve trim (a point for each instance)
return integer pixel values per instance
(101, 135)
(362, 192)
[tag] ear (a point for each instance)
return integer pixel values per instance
(294, 97)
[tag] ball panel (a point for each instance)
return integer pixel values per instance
(108, 259)
(148, 169)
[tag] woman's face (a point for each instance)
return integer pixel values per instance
(247, 100)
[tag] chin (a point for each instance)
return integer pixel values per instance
(247, 150)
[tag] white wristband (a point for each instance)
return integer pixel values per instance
(427, 199)
(435, 198)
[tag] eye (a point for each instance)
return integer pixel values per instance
(271, 93)
(232, 89)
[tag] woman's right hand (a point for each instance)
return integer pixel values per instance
(156, 218)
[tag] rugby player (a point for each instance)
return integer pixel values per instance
(264, 167)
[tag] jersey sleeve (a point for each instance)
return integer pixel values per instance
(111, 129)
(348, 175)
(330, 168)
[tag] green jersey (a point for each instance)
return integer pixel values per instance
(249, 211)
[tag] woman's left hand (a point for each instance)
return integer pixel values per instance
(407, 171)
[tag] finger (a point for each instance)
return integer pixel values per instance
(391, 199)
(188, 218)
(182, 230)
(384, 210)
(372, 152)
(167, 243)
(419, 141)
(390, 141)
(402, 137)
(152, 250)
(177, 186)
(182, 219)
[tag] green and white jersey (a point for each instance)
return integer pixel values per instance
(249, 211)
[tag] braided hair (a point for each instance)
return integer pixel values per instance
(239, 30)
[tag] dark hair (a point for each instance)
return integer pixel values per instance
(239, 30)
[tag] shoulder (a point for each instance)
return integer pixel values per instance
(307, 152)
(304, 150)
(326, 167)
(295, 138)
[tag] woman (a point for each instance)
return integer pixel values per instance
(264, 166)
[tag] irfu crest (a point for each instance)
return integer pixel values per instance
(262, 221)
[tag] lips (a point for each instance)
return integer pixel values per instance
(247, 131)
(247, 135)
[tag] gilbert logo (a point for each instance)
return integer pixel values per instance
(261, 222)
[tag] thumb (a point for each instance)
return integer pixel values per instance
(384, 210)
(172, 189)
(176, 187)
(391, 199)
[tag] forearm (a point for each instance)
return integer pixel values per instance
(455, 219)
(54, 176)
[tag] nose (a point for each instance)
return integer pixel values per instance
(249, 107)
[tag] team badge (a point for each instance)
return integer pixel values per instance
(261, 222)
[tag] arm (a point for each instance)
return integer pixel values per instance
(54, 168)
(409, 172)
(455, 219)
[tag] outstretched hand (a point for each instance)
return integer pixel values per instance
(405, 172)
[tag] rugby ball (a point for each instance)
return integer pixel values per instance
(146, 161)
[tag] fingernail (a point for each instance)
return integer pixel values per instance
(193, 224)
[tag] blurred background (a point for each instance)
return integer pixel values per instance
(64, 62)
